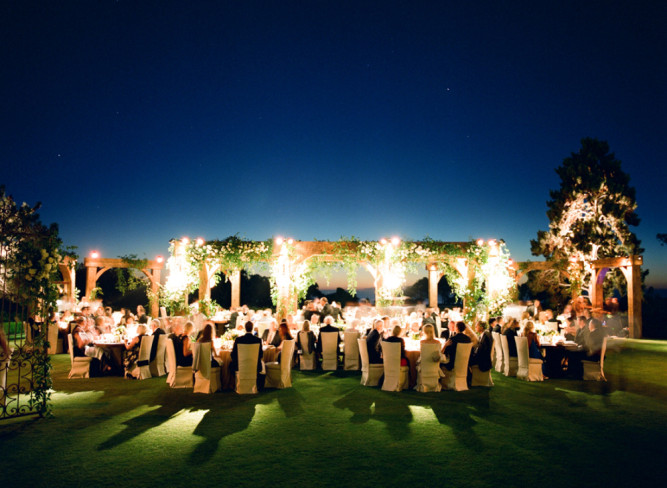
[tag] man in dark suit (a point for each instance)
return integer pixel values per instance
(450, 346)
(337, 313)
(481, 354)
(231, 325)
(373, 342)
(270, 336)
(247, 338)
(511, 334)
(431, 318)
(157, 332)
(328, 327)
(327, 309)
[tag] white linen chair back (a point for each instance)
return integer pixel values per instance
(80, 367)
(246, 376)
(594, 370)
(457, 379)
(179, 376)
(207, 379)
(510, 364)
(498, 348)
(522, 357)
(307, 361)
(157, 367)
(329, 350)
(370, 373)
(394, 375)
(279, 375)
(351, 350)
(163, 312)
(428, 370)
(53, 338)
(262, 325)
(143, 363)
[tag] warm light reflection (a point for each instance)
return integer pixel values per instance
(94, 254)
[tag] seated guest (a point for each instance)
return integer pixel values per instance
(157, 329)
(511, 333)
(177, 338)
(396, 337)
(185, 339)
(481, 353)
(581, 334)
(284, 335)
(328, 327)
(132, 350)
(596, 335)
(142, 318)
(206, 336)
(271, 337)
(429, 335)
(309, 345)
(448, 331)
(494, 325)
(589, 337)
(373, 342)
(247, 338)
(449, 350)
(533, 341)
(101, 326)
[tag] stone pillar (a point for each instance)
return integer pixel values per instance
(235, 279)
(635, 300)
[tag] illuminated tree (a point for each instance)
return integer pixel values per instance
(590, 214)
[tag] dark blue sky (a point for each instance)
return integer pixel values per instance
(136, 121)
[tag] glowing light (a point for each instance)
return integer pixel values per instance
(199, 241)
(395, 241)
(290, 241)
(480, 242)
(383, 241)
(432, 267)
(279, 241)
(159, 259)
(94, 254)
(492, 242)
(185, 240)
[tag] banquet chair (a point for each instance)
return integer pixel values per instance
(510, 364)
(351, 350)
(370, 373)
(157, 366)
(262, 325)
(594, 370)
(395, 375)
(279, 374)
(55, 345)
(482, 378)
(207, 378)
(80, 366)
(142, 369)
(499, 364)
(307, 362)
(530, 369)
(329, 350)
(428, 369)
(457, 378)
(246, 376)
(179, 376)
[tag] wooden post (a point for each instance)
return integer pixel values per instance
(155, 287)
(597, 290)
(91, 275)
(635, 299)
(204, 281)
(433, 279)
(235, 279)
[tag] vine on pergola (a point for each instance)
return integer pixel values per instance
(490, 288)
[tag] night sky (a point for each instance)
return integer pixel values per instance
(139, 121)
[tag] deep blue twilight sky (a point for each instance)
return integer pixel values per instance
(138, 121)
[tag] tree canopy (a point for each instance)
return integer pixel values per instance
(591, 214)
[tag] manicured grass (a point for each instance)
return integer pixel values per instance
(330, 431)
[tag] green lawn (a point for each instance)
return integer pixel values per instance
(330, 431)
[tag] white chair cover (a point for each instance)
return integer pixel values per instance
(428, 369)
(143, 370)
(178, 377)
(262, 325)
(351, 350)
(157, 365)
(499, 364)
(80, 366)
(370, 373)
(480, 378)
(307, 362)
(457, 379)
(395, 375)
(594, 370)
(279, 375)
(246, 376)
(54, 344)
(529, 369)
(207, 379)
(329, 350)
(510, 365)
